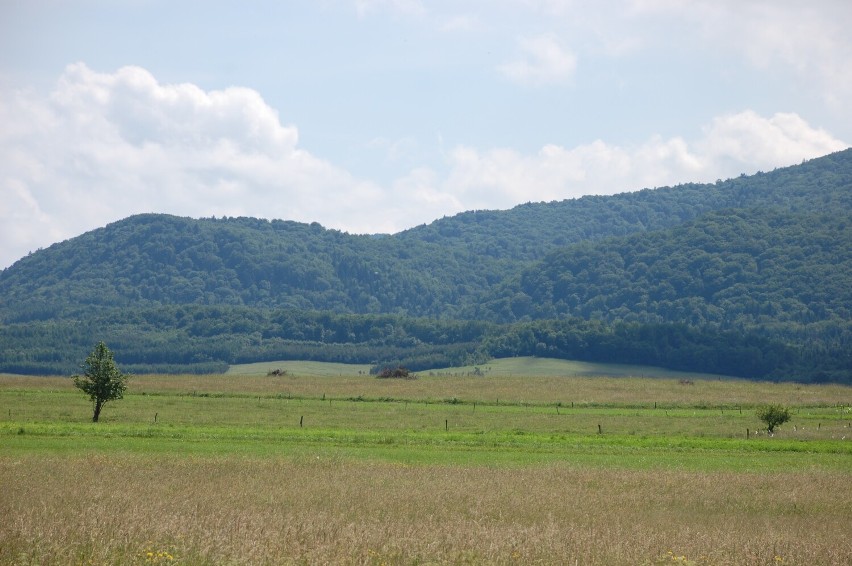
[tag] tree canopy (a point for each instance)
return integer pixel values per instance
(102, 381)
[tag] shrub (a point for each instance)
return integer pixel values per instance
(397, 373)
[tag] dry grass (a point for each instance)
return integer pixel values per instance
(526, 366)
(627, 391)
(319, 510)
(544, 390)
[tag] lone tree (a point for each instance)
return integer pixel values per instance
(773, 415)
(102, 381)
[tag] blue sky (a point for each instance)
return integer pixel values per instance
(379, 115)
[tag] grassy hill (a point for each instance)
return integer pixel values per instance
(524, 366)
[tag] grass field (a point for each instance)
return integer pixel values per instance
(511, 367)
(326, 465)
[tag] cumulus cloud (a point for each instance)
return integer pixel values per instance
(103, 146)
(543, 59)
(749, 141)
(730, 145)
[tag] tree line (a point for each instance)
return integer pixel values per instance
(202, 339)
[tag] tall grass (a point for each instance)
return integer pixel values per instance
(115, 509)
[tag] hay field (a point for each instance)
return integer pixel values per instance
(355, 470)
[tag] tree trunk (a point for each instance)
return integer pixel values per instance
(98, 405)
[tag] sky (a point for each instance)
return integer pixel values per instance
(373, 116)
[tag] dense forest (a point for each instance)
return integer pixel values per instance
(750, 276)
(734, 268)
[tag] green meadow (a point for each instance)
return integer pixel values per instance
(518, 461)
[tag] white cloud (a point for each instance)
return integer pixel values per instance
(104, 146)
(543, 60)
(749, 141)
(810, 38)
(730, 145)
(107, 145)
(808, 43)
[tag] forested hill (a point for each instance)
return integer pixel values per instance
(766, 257)
(739, 267)
(438, 270)
(532, 230)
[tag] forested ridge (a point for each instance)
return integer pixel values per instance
(750, 276)
(734, 268)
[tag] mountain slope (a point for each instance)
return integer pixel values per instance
(531, 231)
(762, 261)
(435, 270)
(160, 259)
(741, 267)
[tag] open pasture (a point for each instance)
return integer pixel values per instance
(347, 468)
(521, 366)
(521, 380)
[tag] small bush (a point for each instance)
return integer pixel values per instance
(395, 373)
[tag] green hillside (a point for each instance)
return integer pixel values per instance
(755, 270)
(730, 268)
(433, 270)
